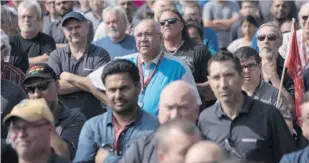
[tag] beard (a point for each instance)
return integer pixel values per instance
(113, 33)
(266, 54)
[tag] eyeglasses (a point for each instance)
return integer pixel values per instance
(29, 127)
(270, 37)
(40, 87)
(250, 67)
(168, 21)
(305, 18)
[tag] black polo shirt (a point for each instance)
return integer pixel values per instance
(258, 133)
(40, 44)
(94, 57)
(68, 126)
(196, 56)
(54, 158)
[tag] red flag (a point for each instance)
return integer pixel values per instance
(294, 69)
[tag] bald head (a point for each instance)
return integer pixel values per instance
(178, 99)
(204, 151)
(148, 23)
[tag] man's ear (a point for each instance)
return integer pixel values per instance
(139, 87)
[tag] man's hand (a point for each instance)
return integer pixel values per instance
(101, 155)
(65, 76)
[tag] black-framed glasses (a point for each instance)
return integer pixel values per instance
(270, 37)
(40, 87)
(168, 21)
(250, 67)
(305, 17)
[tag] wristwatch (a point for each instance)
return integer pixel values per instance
(108, 147)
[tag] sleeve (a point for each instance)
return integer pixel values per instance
(54, 62)
(204, 56)
(102, 59)
(207, 15)
(235, 9)
(19, 58)
(71, 132)
(95, 78)
(282, 140)
(188, 77)
(112, 158)
(49, 45)
(286, 159)
(87, 147)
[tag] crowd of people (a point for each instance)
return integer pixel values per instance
(152, 81)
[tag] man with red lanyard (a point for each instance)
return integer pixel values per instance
(156, 68)
(107, 136)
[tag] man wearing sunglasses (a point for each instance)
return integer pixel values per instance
(31, 128)
(41, 82)
(269, 39)
(302, 37)
(196, 55)
(257, 88)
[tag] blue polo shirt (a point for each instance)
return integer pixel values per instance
(117, 49)
(211, 40)
(170, 68)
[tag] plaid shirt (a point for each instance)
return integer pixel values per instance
(12, 74)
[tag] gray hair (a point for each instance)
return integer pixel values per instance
(7, 47)
(302, 9)
(120, 11)
(31, 4)
(272, 25)
(154, 23)
(185, 126)
(6, 13)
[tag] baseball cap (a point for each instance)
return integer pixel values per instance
(30, 110)
(40, 70)
(73, 15)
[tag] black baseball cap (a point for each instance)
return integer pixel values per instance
(73, 15)
(40, 70)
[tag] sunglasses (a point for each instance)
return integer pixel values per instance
(305, 18)
(40, 87)
(271, 37)
(168, 21)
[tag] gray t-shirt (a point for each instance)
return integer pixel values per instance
(269, 95)
(216, 11)
(11, 95)
(94, 57)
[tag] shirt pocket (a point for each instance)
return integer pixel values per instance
(255, 148)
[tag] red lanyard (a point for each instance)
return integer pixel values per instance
(140, 69)
(304, 50)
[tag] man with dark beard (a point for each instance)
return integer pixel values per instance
(107, 136)
(41, 82)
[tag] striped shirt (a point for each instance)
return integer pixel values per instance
(170, 69)
(12, 74)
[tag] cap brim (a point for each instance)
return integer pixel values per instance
(37, 76)
(70, 18)
(28, 117)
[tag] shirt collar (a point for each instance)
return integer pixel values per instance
(155, 60)
(245, 107)
(89, 48)
(136, 122)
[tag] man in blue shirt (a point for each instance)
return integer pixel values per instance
(301, 156)
(106, 137)
(117, 42)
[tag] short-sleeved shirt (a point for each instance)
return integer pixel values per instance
(68, 126)
(169, 69)
(269, 95)
(117, 49)
(61, 60)
(11, 95)
(211, 40)
(19, 58)
(95, 21)
(99, 131)
(39, 45)
(55, 31)
(214, 10)
(258, 133)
